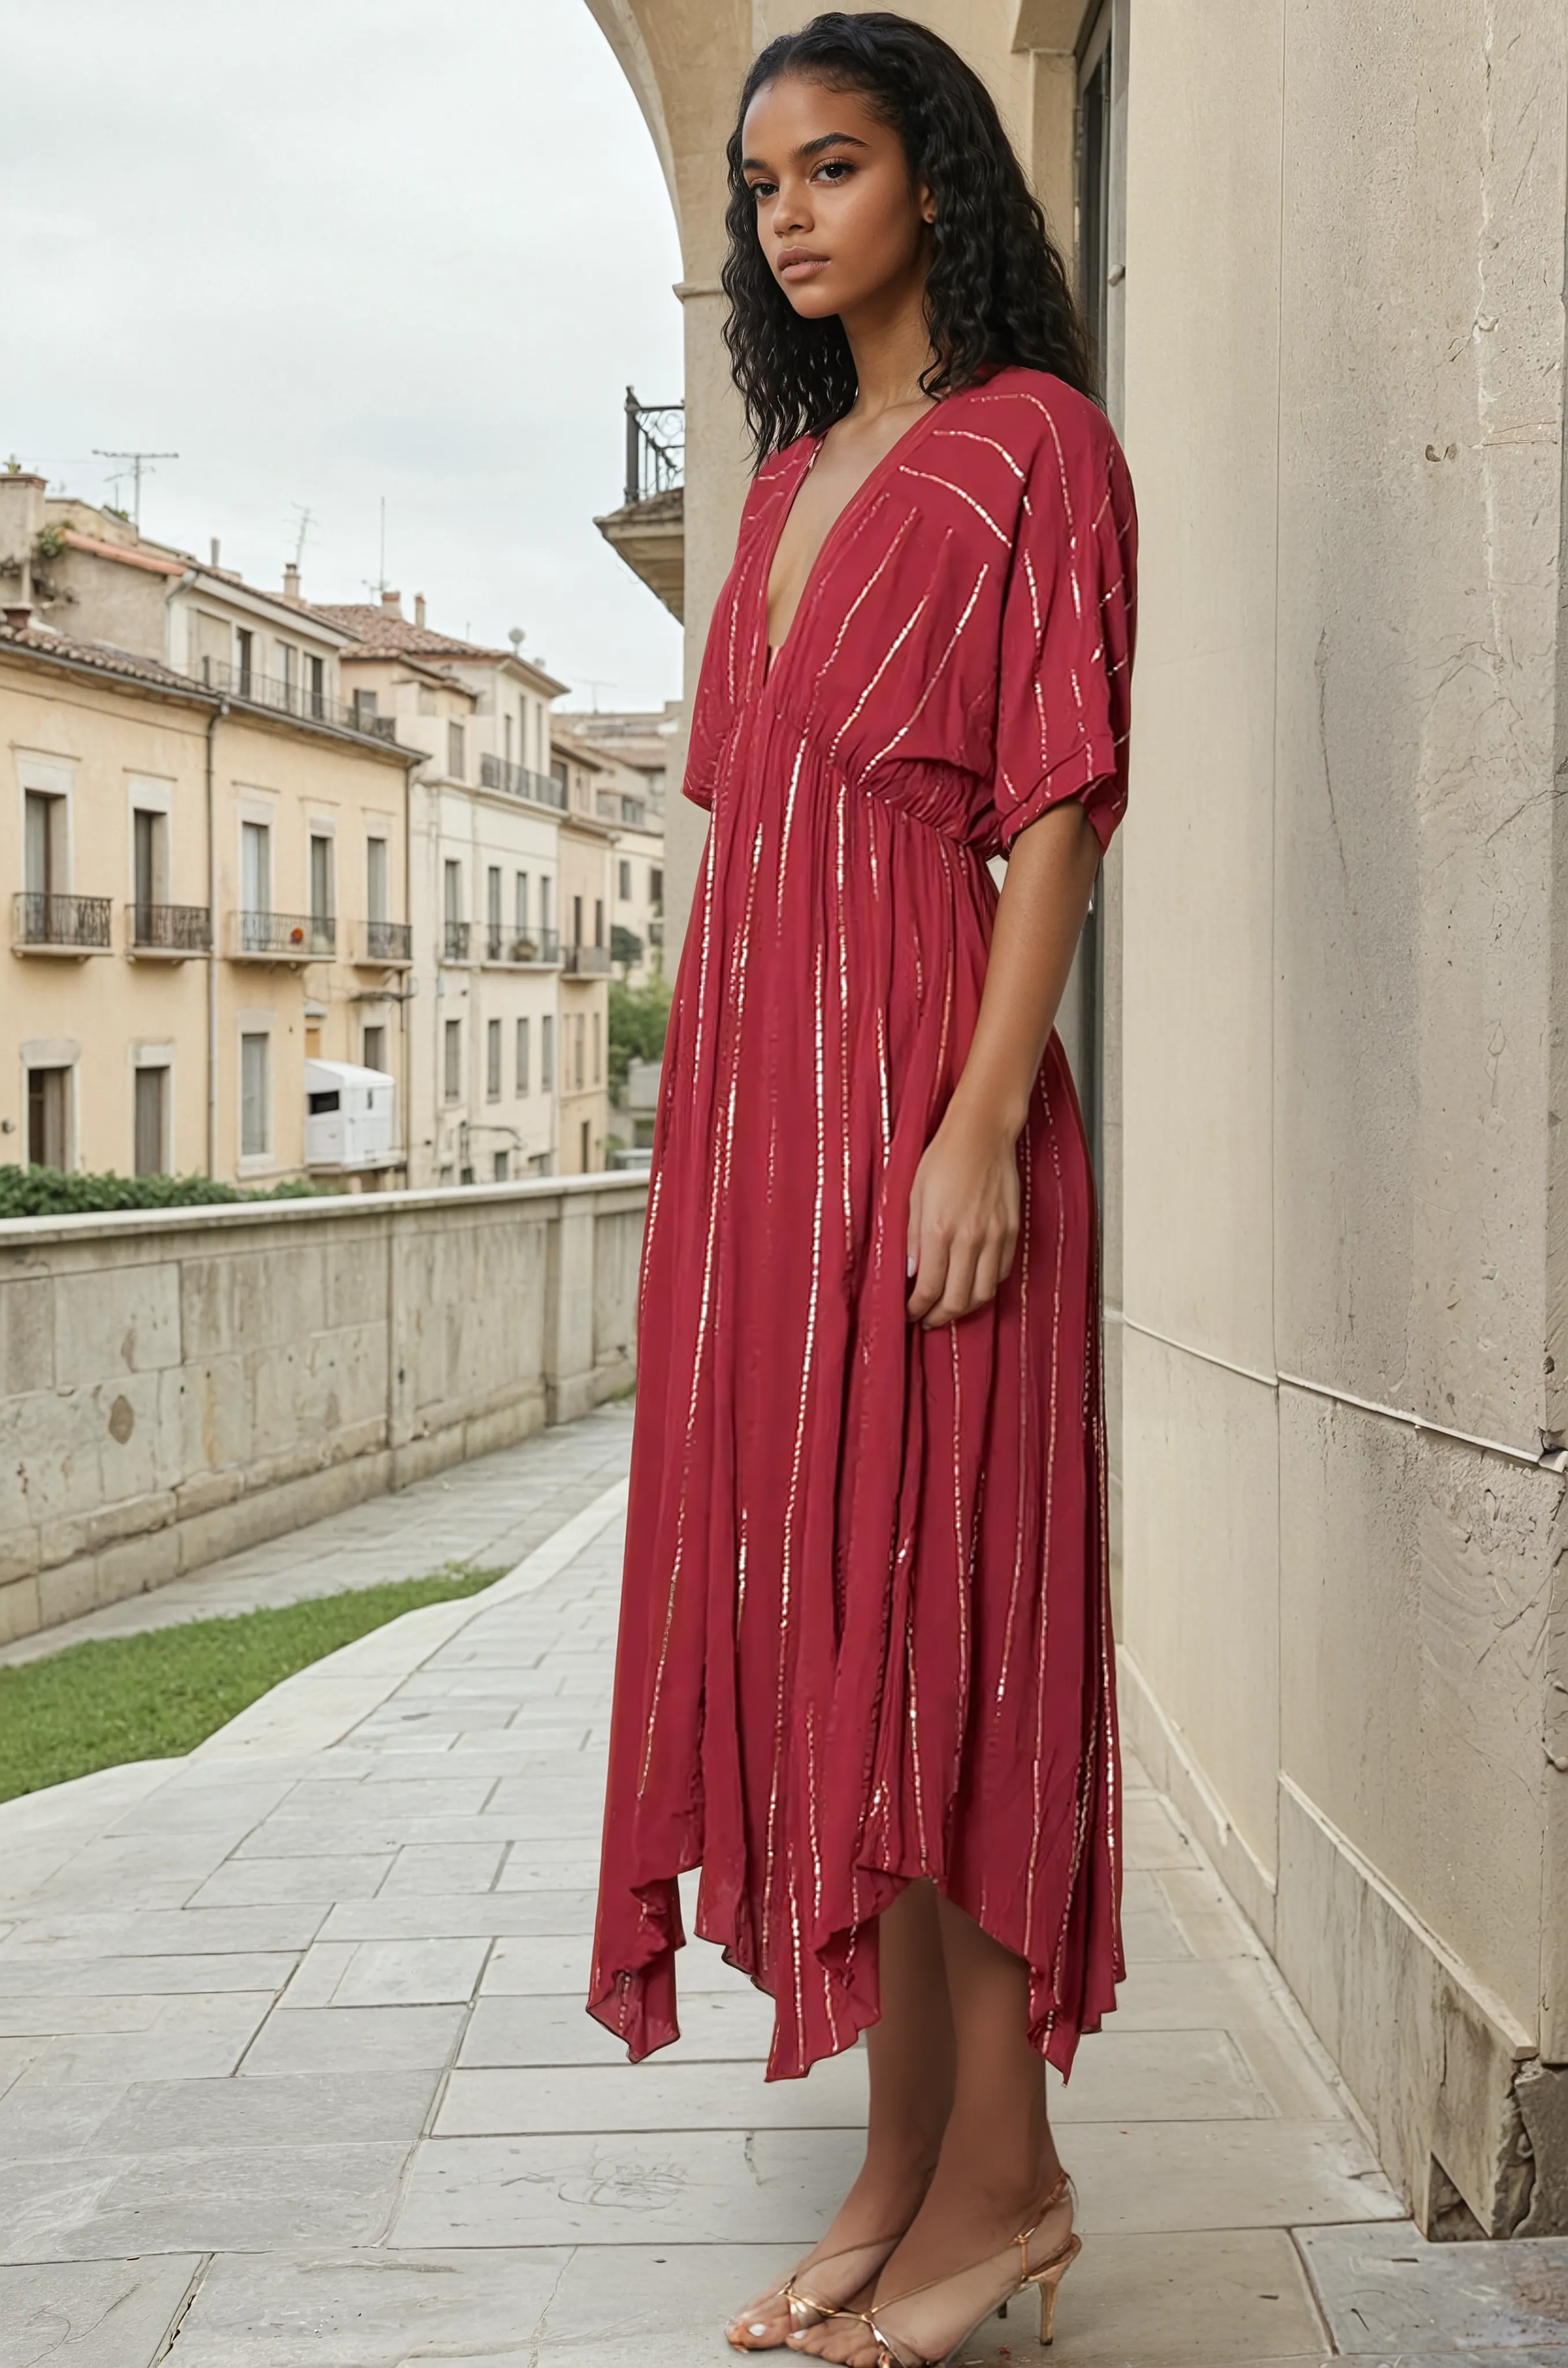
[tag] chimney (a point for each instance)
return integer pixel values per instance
(391, 602)
(291, 584)
(18, 619)
(420, 609)
(21, 523)
(213, 560)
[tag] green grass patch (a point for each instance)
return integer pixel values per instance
(158, 1695)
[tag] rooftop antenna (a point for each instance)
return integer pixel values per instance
(139, 462)
(595, 683)
(307, 519)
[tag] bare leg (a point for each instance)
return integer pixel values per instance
(911, 2067)
(997, 2162)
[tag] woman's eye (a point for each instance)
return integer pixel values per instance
(836, 166)
(764, 189)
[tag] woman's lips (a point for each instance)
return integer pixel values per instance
(800, 266)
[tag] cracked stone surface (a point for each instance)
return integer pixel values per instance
(292, 2047)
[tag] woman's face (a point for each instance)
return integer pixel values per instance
(837, 217)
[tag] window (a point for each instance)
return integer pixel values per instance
(375, 879)
(597, 1079)
(452, 1061)
(579, 1037)
(374, 1051)
(587, 1160)
(493, 1059)
(455, 944)
(522, 1057)
(506, 734)
(546, 1053)
(323, 931)
(493, 945)
(598, 920)
(255, 886)
(366, 707)
(317, 674)
(501, 1167)
(288, 670)
(455, 762)
(520, 903)
(44, 855)
(49, 1105)
(576, 920)
(152, 1121)
(256, 1096)
(655, 884)
(544, 900)
(624, 891)
(244, 656)
(149, 856)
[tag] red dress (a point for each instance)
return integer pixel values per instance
(865, 1629)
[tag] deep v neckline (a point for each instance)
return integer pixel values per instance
(773, 656)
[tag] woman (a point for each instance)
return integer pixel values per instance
(864, 1677)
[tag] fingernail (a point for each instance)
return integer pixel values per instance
(909, 1265)
(757, 2327)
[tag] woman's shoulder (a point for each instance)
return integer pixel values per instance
(1031, 411)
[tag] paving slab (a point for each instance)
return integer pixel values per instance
(371, 2309)
(91, 2314)
(213, 2200)
(371, 2038)
(1388, 2290)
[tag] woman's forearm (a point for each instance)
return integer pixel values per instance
(1040, 916)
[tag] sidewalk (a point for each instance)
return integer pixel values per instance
(295, 2064)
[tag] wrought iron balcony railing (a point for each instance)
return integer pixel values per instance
(386, 942)
(518, 781)
(455, 939)
(655, 447)
(585, 961)
(293, 697)
(283, 937)
(537, 946)
(77, 925)
(168, 929)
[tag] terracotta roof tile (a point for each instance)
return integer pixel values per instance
(101, 655)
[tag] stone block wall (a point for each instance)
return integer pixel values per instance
(175, 1384)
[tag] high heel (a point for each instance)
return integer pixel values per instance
(805, 2309)
(1046, 2276)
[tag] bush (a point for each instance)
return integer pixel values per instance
(51, 1193)
(639, 1016)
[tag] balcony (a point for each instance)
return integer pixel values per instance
(167, 932)
(648, 529)
(282, 937)
(456, 936)
(524, 949)
(289, 698)
(517, 782)
(585, 962)
(43, 923)
(384, 945)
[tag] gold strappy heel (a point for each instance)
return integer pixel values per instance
(805, 2309)
(1046, 2277)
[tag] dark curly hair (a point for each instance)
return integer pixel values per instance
(997, 291)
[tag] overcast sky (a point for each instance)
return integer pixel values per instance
(328, 250)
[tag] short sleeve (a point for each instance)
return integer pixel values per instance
(712, 707)
(1068, 627)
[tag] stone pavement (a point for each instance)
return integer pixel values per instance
(296, 2072)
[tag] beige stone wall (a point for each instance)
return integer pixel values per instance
(176, 1386)
(1333, 1209)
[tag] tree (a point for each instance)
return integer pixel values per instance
(639, 1016)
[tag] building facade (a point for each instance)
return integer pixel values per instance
(485, 895)
(206, 876)
(1322, 1030)
(587, 841)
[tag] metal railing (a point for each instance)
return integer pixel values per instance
(287, 937)
(293, 697)
(387, 941)
(81, 923)
(455, 937)
(585, 960)
(519, 781)
(655, 447)
(169, 929)
(522, 945)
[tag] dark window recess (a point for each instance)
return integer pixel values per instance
(319, 1104)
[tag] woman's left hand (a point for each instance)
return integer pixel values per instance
(963, 1218)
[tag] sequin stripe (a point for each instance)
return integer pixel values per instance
(895, 646)
(785, 1576)
(911, 721)
(1060, 1229)
(929, 476)
(738, 997)
(784, 831)
(698, 1360)
(963, 1557)
(816, 1840)
(893, 552)
(843, 917)
(972, 436)
(1025, 1237)
(874, 865)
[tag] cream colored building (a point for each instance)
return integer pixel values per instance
(485, 895)
(204, 880)
(583, 1065)
(625, 796)
(1321, 1023)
